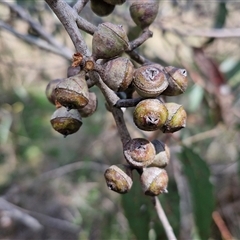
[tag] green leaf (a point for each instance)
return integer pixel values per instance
(198, 174)
(195, 97)
(136, 208)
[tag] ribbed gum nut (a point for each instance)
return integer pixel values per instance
(177, 79)
(144, 12)
(139, 152)
(118, 178)
(115, 2)
(101, 8)
(91, 107)
(109, 41)
(50, 90)
(72, 71)
(66, 122)
(177, 117)
(150, 114)
(72, 92)
(150, 80)
(162, 154)
(154, 181)
(118, 73)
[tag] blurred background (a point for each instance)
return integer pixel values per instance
(53, 187)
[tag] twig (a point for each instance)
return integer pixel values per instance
(128, 102)
(221, 226)
(85, 25)
(108, 93)
(79, 5)
(146, 34)
(67, 16)
(121, 125)
(138, 58)
(163, 218)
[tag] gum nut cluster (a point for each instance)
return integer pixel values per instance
(74, 101)
(151, 113)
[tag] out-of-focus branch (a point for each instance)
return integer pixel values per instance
(37, 42)
(32, 219)
(60, 171)
(24, 15)
(19, 215)
(214, 32)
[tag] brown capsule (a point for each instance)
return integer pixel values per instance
(139, 152)
(50, 90)
(66, 122)
(118, 73)
(72, 92)
(162, 154)
(176, 120)
(177, 79)
(101, 8)
(115, 2)
(91, 107)
(154, 181)
(150, 114)
(119, 178)
(109, 41)
(144, 12)
(150, 80)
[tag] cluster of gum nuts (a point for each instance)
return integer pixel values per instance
(74, 101)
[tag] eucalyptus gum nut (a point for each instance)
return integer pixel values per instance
(150, 80)
(177, 79)
(118, 178)
(154, 181)
(72, 71)
(144, 12)
(162, 154)
(50, 88)
(139, 152)
(91, 107)
(66, 122)
(109, 41)
(176, 120)
(150, 114)
(115, 2)
(101, 8)
(72, 92)
(118, 73)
